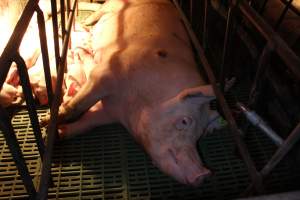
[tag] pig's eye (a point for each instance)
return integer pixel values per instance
(184, 123)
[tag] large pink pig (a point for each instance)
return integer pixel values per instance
(145, 77)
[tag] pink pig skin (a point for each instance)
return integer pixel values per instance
(145, 77)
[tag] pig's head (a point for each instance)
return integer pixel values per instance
(169, 133)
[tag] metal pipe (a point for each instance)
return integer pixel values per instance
(55, 33)
(12, 143)
(262, 9)
(52, 128)
(257, 121)
(254, 175)
(204, 37)
(63, 19)
(291, 60)
(25, 82)
(281, 17)
(263, 63)
(226, 46)
(45, 56)
(16, 39)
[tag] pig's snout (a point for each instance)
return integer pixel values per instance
(185, 166)
(197, 179)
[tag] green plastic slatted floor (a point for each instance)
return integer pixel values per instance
(107, 164)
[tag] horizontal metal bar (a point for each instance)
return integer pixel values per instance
(52, 128)
(257, 121)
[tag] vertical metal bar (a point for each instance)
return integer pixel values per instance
(68, 8)
(44, 49)
(55, 33)
(263, 63)
(254, 175)
(12, 143)
(191, 11)
(204, 39)
(52, 128)
(63, 19)
(226, 47)
(24, 79)
(262, 8)
(286, 8)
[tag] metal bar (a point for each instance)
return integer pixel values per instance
(291, 140)
(55, 33)
(44, 49)
(12, 143)
(204, 39)
(226, 46)
(291, 60)
(254, 175)
(63, 19)
(262, 9)
(292, 7)
(286, 8)
(52, 128)
(15, 39)
(263, 63)
(24, 79)
(257, 121)
(191, 11)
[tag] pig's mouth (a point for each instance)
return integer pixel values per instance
(185, 166)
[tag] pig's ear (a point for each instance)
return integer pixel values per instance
(204, 93)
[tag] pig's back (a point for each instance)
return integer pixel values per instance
(136, 21)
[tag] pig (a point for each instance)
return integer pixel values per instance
(10, 95)
(144, 76)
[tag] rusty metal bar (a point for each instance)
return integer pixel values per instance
(12, 143)
(44, 50)
(254, 175)
(281, 17)
(291, 60)
(52, 128)
(63, 19)
(55, 33)
(15, 39)
(226, 46)
(24, 79)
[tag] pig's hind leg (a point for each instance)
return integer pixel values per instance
(94, 117)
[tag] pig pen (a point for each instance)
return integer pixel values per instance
(110, 165)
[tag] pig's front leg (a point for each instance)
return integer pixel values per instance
(94, 117)
(96, 88)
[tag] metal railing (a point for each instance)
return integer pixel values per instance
(274, 43)
(10, 55)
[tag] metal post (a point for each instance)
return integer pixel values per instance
(63, 19)
(286, 8)
(12, 143)
(254, 175)
(204, 39)
(55, 33)
(52, 128)
(24, 79)
(44, 49)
